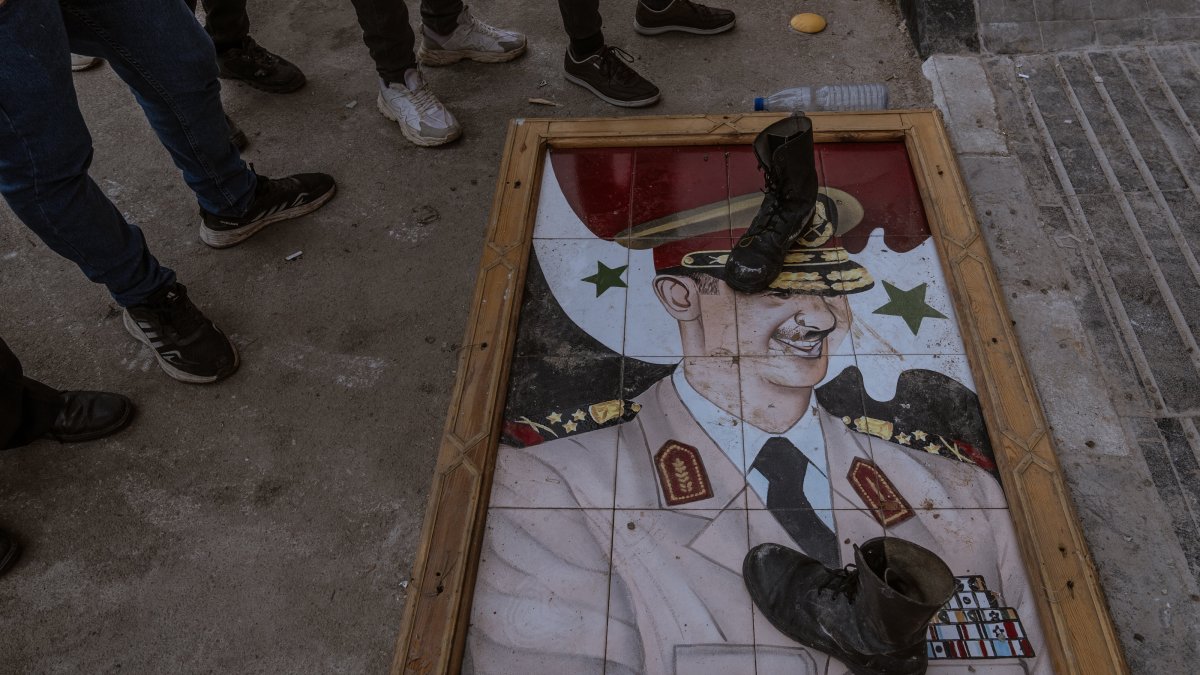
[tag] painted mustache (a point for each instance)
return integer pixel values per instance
(802, 342)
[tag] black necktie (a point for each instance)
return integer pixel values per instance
(784, 467)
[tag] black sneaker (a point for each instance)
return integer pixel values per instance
(684, 16)
(606, 75)
(236, 135)
(259, 68)
(187, 345)
(275, 199)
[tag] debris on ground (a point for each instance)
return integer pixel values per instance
(808, 23)
(294, 256)
(426, 214)
(350, 104)
(542, 101)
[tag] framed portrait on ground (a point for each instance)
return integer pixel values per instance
(625, 427)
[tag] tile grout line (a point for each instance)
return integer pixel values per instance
(1097, 268)
(1144, 169)
(1164, 288)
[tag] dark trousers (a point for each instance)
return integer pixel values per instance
(581, 19)
(386, 30)
(27, 407)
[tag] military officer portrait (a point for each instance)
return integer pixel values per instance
(818, 414)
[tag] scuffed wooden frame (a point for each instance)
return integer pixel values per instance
(1079, 630)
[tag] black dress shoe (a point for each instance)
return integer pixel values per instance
(88, 415)
(9, 550)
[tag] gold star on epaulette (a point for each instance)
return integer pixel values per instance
(903, 438)
(554, 418)
(919, 435)
(570, 427)
(579, 416)
(932, 448)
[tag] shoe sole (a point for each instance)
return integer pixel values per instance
(408, 133)
(93, 64)
(608, 99)
(107, 431)
(446, 57)
(659, 30)
(270, 89)
(171, 370)
(227, 238)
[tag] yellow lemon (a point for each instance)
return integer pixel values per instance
(808, 23)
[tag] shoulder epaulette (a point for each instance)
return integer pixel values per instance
(525, 431)
(916, 439)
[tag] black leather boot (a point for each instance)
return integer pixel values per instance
(871, 617)
(785, 154)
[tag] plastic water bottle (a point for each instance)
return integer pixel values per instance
(826, 97)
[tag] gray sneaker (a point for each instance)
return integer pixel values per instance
(471, 39)
(422, 118)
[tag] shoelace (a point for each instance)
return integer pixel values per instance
(844, 581)
(255, 53)
(610, 65)
(477, 26)
(178, 314)
(423, 100)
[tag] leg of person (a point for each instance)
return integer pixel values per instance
(404, 96)
(240, 57)
(164, 56)
(450, 33)
(655, 17)
(45, 152)
(600, 68)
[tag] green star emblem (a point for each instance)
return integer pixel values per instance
(909, 305)
(606, 277)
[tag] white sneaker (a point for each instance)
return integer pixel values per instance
(80, 62)
(422, 118)
(471, 39)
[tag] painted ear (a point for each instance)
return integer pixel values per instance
(680, 296)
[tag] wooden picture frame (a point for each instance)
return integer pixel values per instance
(1079, 631)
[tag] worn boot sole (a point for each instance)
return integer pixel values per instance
(227, 238)
(175, 373)
(422, 141)
(608, 99)
(446, 57)
(659, 30)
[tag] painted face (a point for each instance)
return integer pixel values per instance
(786, 338)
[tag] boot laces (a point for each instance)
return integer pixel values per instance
(841, 582)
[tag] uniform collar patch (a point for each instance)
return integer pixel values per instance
(878, 493)
(681, 474)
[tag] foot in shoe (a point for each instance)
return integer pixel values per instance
(275, 199)
(681, 15)
(607, 75)
(186, 344)
(411, 104)
(259, 68)
(471, 39)
(88, 415)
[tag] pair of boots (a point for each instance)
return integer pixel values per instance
(785, 154)
(871, 616)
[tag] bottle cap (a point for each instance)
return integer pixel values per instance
(759, 104)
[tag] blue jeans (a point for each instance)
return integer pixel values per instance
(166, 58)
